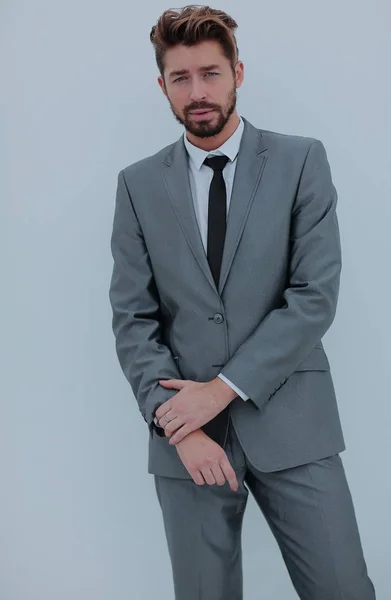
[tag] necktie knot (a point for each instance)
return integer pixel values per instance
(217, 163)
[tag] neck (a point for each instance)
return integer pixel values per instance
(211, 143)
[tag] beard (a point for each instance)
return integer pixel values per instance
(207, 128)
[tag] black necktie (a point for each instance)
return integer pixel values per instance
(217, 215)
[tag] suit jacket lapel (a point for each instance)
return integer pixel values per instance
(177, 182)
(248, 174)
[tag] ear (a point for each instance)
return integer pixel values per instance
(239, 72)
(162, 85)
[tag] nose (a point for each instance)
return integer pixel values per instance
(197, 91)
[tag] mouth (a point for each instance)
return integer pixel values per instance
(199, 115)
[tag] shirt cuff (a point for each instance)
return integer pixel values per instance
(233, 386)
(156, 421)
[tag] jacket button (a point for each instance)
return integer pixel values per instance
(218, 318)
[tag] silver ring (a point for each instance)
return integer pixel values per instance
(167, 420)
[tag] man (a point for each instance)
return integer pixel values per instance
(227, 263)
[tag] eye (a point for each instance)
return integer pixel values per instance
(179, 79)
(211, 73)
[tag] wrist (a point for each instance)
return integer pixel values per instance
(224, 392)
(197, 433)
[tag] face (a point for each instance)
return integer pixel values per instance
(201, 87)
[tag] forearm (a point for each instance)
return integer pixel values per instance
(285, 337)
(137, 320)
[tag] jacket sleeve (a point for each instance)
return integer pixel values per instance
(285, 337)
(136, 322)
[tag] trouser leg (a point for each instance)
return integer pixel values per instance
(203, 526)
(311, 515)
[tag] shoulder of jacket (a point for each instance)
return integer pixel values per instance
(148, 161)
(288, 140)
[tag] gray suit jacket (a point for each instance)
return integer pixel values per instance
(262, 327)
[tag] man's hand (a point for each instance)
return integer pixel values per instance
(195, 405)
(206, 461)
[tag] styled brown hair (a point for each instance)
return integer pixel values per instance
(191, 25)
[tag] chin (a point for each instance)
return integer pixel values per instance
(207, 129)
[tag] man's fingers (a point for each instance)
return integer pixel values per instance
(218, 475)
(229, 473)
(197, 477)
(172, 426)
(163, 409)
(208, 475)
(180, 434)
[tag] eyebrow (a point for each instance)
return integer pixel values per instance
(185, 71)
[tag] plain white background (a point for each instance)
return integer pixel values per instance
(79, 518)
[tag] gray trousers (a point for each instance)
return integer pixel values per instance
(308, 508)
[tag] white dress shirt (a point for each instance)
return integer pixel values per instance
(200, 179)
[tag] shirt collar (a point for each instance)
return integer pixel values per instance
(230, 148)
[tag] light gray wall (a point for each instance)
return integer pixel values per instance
(78, 513)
